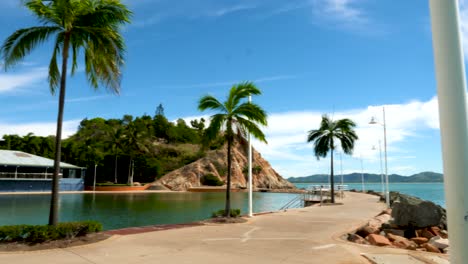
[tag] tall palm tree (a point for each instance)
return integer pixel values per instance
(89, 25)
(324, 141)
(236, 117)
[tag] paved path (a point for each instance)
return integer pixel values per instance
(308, 235)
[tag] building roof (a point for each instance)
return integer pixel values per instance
(23, 159)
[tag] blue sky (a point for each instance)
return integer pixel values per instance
(346, 58)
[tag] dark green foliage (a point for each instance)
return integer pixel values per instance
(41, 233)
(221, 213)
(124, 150)
(220, 168)
(256, 169)
(211, 180)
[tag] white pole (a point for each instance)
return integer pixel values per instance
(94, 183)
(362, 175)
(16, 172)
(250, 172)
(381, 169)
(342, 182)
(341, 169)
(451, 90)
(387, 191)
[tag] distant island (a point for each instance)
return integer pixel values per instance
(371, 178)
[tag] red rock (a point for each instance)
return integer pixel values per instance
(425, 233)
(378, 240)
(387, 211)
(420, 240)
(367, 230)
(431, 248)
(357, 239)
(402, 242)
(443, 234)
(434, 230)
(397, 232)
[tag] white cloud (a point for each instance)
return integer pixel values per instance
(229, 83)
(341, 13)
(464, 25)
(289, 153)
(39, 128)
(228, 10)
(10, 82)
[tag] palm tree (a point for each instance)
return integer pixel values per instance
(324, 141)
(89, 25)
(236, 118)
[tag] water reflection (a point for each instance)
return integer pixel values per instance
(118, 210)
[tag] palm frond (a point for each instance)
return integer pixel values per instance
(252, 128)
(21, 42)
(54, 73)
(241, 91)
(209, 102)
(216, 122)
(253, 112)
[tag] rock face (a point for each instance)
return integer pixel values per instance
(263, 175)
(409, 211)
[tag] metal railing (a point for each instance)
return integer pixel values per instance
(25, 175)
(296, 202)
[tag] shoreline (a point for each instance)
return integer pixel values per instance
(297, 191)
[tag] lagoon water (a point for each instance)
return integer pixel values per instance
(427, 191)
(119, 210)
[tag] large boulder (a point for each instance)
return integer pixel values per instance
(409, 211)
(215, 163)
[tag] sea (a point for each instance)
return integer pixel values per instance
(427, 191)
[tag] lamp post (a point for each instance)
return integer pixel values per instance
(374, 122)
(381, 167)
(250, 172)
(341, 168)
(94, 182)
(362, 176)
(451, 91)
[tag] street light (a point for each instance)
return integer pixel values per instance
(381, 168)
(250, 172)
(374, 122)
(362, 176)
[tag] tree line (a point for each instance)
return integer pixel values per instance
(125, 149)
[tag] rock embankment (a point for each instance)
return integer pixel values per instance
(411, 223)
(215, 163)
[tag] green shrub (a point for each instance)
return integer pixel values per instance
(220, 213)
(211, 180)
(41, 233)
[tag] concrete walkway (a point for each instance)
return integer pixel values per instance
(308, 235)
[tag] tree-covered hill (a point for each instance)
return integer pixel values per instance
(129, 149)
(372, 178)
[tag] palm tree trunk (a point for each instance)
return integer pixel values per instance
(54, 201)
(129, 170)
(115, 170)
(227, 210)
(332, 180)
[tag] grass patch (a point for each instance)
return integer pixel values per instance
(41, 233)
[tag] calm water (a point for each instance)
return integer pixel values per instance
(138, 209)
(427, 191)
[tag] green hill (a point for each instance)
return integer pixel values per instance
(371, 178)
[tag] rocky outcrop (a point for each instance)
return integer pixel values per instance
(416, 225)
(409, 211)
(215, 163)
